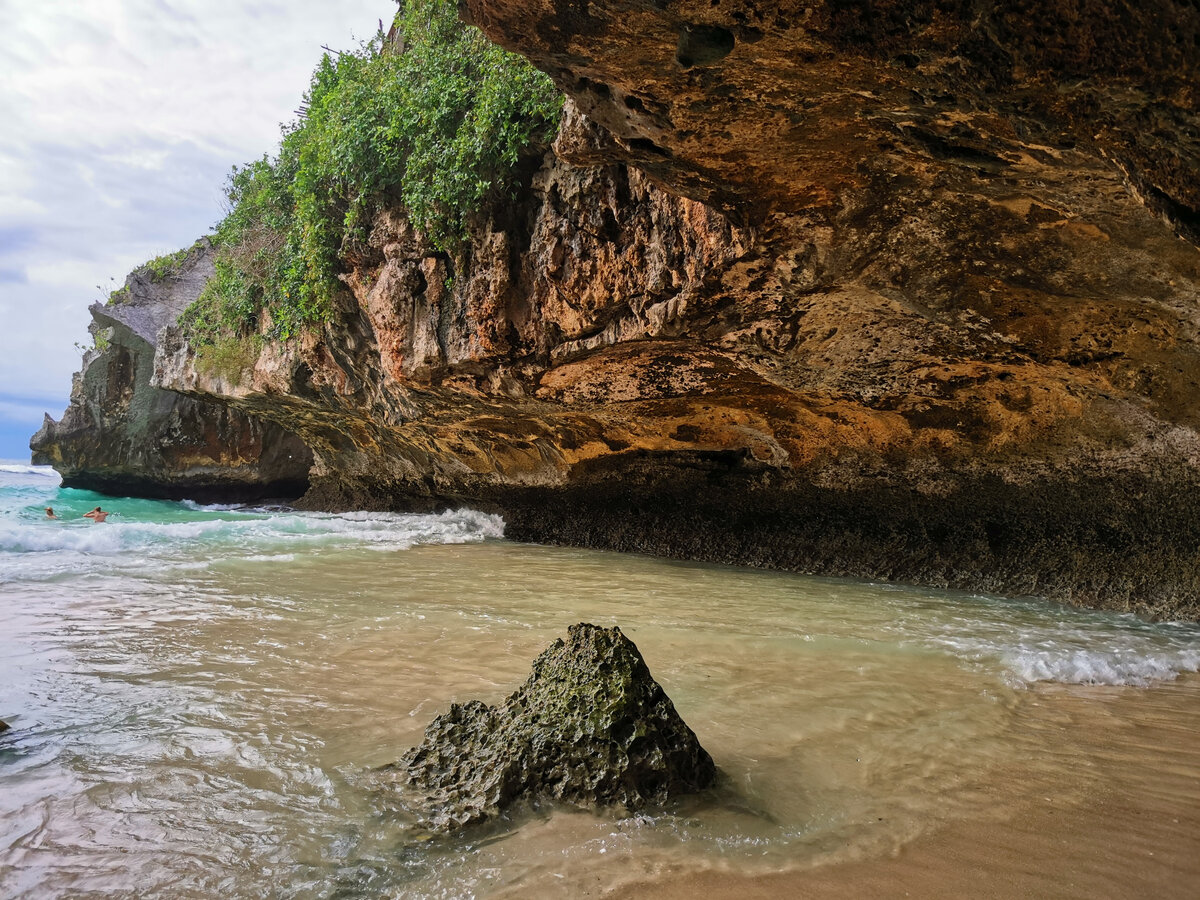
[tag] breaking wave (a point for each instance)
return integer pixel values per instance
(20, 469)
(36, 548)
(1077, 647)
(1100, 666)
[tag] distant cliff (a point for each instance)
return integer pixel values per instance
(889, 290)
(122, 435)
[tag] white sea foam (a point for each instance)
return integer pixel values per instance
(1101, 666)
(1097, 650)
(37, 547)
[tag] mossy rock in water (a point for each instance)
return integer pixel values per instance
(590, 727)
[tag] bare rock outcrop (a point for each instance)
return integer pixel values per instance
(122, 435)
(590, 728)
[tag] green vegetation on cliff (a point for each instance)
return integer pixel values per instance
(158, 269)
(168, 264)
(435, 119)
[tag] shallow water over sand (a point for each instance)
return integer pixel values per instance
(198, 697)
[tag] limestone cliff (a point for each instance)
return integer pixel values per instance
(880, 289)
(121, 435)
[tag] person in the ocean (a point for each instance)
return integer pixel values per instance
(50, 513)
(96, 515)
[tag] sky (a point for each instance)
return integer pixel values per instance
(119, 123)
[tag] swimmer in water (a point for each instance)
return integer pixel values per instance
(50, 513)
(96, 515)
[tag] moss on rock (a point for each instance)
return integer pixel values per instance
(590, 727)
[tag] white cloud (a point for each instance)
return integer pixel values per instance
(121, 120)
(20, 410)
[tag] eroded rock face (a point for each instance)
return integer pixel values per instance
(122, 435)
(888, 290)
(781, 108)
(590, 727)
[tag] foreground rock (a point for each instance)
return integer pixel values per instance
(591, 727)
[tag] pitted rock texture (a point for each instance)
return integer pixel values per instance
(779, 108)
(590, 728)
(123, 436)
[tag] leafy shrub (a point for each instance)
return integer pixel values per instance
(158, 269)
(228, 356)
(168, 264)
(437, 120)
